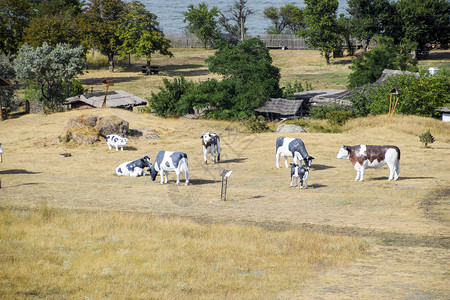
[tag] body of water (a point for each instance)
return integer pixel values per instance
(170, 12)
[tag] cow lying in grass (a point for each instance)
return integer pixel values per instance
(211, 144)
(170, 161)
(295, 148)
(134, 168)
(369, 156)
(116, 141)
(299, 172)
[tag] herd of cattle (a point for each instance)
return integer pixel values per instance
(361, 156)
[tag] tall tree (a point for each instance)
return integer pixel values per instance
(367, 18)
(321, 29)
(202, 22)
(56, 22)
(140, 33)
(239, 12)
(287, 19)
(49, 69)
(424, 21)
(14, 18)
(101, 20)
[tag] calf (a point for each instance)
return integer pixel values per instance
(370, 156)
(299, 172)
(211, 144)
(134, 168)
(116, 141)
(170, 161)
(289, 147)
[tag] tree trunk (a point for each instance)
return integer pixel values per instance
(147, 67)
(111, 61)
(242, 28)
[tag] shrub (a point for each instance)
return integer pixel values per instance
(426, 138)
(256, 124)
(296, 87)
(339, 117)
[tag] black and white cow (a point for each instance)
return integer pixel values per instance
(116, 141)
(170, 161)
(299, 172)
(1, 152)
(372, 156)
(211, 144)
(290, 147)
(134, 168)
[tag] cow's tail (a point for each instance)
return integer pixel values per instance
(398, 160)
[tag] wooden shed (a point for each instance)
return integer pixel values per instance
(114, 99)
(445, 113)
(277, 108)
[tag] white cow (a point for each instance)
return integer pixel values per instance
(116, 141)
(134, 168)
(299, 172)
(290, 147)
(211, 144)
(372, 156)
(170, 161)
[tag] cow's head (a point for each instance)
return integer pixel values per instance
(153, 172)
(146, 161)
(308, 161)
(206, 137)
(343, 152)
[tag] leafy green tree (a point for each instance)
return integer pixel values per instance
(423, 21)
(49, 69)
(387, 55)
(7, 94)
(202, 22)
(140, 34)
(321, 29)
(367, 18)
(287, 19)
(346, 29)
(55, 22)
(240, 12)
(14, 18)
(100, 21)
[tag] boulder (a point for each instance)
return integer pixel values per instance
(112, 125)
(289, 128)
(83, 135)
(144, 133)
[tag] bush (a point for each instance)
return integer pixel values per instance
(256, 124)
(339, 117)
(296, 87)
(426, 138)
(417, 96)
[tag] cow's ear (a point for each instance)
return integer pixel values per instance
(311, 157)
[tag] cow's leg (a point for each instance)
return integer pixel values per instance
(109, 146)
(121, 148)
(358, 170)
(161, 173)
(177, 172)
(361, 172)
(286, 161)
(205, 153)
(292, 180)
(277, 159)
(397, 170)
(306, 183)
(186, 176)
(213, 153)
(301, 183)
(167, 177)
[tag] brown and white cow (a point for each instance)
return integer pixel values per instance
(372, 156)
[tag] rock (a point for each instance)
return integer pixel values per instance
(82, 120)
(144, 133)
(84, 135)
(289, 128)
(112, 125)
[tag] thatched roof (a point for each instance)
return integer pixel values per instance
(114, 99)
(281, 106)
(445, 109)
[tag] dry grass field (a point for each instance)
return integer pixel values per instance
(71, 228)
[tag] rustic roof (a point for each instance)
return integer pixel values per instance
(280, 106)
(445, 109)
(114, 99)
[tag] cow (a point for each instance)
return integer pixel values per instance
(1, 152)
(211, 144)
(299, 172)
(166, 161)
(117, 141)
(372, 156)
(134, 168)
(290, 147)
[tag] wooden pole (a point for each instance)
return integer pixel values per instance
(395, 104)
(104, 100)
(390, 104)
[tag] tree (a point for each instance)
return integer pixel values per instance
(367, 18)
(140, 34)
(387, 55)
(321, 26)
(101, 19)
(287, 19)
(240, 12)
(55, 22)
(49, 69)
(202, 22)
(14, 18)
(346, 29)
(423, 21)
(6, 93)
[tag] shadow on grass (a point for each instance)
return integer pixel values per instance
(234, 160)
(129, 148)
(200, 181)
(317, 186)
(402, 178)
(98, 81)
(18, 171)
(321, 167)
